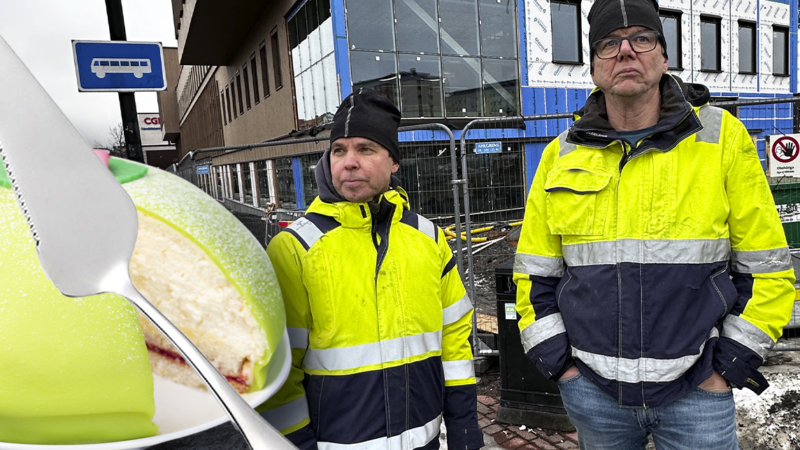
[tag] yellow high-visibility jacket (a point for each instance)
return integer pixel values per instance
(379, 323)
(649, 263)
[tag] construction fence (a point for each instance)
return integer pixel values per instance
(472, 182)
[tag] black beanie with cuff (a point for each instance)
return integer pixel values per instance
(606, 16)
(368, 115)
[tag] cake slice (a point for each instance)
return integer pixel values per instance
(77, 371)
(72, 371)
(207, 273)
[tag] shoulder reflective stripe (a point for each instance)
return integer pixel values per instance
(343, 358)
(564, 147)
(640, 370)
(541, 266)
(427, 227)
(288, 415)
(298, 337)
(689, 251)
(542, 330)
(711, 118)
(747, 334)
(458, 370)
(306, 230)
(456, 311)
(762, 261)
(413, 438)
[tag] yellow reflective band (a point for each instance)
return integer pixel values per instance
(640, 370)
(344, 358)
(288, 415)
(413, 438)
(458, 370)
(456, 311)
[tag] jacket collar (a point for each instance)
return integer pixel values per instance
(359, 215)
(677, 118)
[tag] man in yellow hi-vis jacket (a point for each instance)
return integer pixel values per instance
(378, 318)
(653, 272)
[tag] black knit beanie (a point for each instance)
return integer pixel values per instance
(609, 15)
(368, 115)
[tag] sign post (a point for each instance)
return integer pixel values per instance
(782, 155)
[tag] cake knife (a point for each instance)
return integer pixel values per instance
(84, 224)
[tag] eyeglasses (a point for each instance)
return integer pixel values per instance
(641, 42)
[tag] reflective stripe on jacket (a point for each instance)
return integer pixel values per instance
(647, 265)
(379, 323)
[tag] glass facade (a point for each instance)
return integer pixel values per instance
(235, 181)
(247, 182)
(308, 164)
(566, 26)
(284, 178)
(747, 47)
(780, 51)
(437, 58)
(709, 40)
(264, 187)
(671, 23)
(313, 63)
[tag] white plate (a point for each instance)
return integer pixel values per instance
(182, 411)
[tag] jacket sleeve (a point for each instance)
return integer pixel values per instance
(761, 267)
(538, 267)
(460, 393)
(287, 410)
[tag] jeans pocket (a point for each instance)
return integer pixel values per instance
(717, 394)
(569, 380)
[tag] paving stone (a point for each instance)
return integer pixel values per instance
(513, 444)
(503, 436)
(484, 409)
(552, 437)
(527, 435)
(486, 400)
(492, 429)
(573, 436)
(541, 444)
(483, 423)
(567, 445)
(529, 447)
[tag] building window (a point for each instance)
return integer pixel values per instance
(264, 187)
(262, 53)
(671, 23)
(233, 98)
(276, 61)
(709, 44)
(246, 85)
(308, 164)
(235, 180)
(780, 51)
(445, 62)
(239, 93)
(247, 183)
(747, 47)
(313, 63)
(566, 26)
(284, 178)
(228, 102)
(222, 103)
(254, 72)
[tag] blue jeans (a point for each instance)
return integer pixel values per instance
(702, 420)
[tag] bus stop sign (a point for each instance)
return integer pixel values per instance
(119, 66)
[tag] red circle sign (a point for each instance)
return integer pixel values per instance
(785, 149)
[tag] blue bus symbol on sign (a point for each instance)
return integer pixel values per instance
(119, 66)
(488, 147)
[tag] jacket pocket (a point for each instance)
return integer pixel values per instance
(725, 290)
(577, 201)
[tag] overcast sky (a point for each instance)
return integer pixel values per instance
(41, 33)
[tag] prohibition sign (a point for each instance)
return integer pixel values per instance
(785, 149)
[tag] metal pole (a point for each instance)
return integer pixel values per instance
(468, 231)
(127, 100)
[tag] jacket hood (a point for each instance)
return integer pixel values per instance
(327, 192)
(676, 120)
